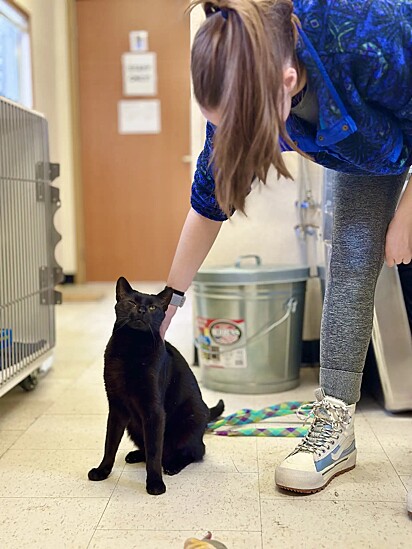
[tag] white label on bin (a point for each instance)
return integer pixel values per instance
(216, 336)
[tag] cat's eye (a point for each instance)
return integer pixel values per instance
(152, 307)
(133, 303)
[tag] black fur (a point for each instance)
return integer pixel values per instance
(152, 392)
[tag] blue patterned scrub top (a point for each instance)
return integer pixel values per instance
(358, 56)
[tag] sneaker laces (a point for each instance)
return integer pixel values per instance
(329, 420)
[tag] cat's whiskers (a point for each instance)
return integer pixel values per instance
(126, 320)
(153, 337)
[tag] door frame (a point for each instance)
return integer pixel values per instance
(76, 141)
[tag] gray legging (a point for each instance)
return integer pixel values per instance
(363, 208)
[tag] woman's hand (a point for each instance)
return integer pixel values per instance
(196, 239)
(170, 313)
(398, 247)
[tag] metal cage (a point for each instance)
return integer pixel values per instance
(28, 269)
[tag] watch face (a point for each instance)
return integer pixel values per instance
(178, 300)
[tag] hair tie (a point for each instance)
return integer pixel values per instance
(212, 9)
(225, 14)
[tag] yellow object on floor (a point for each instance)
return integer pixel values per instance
(205, 543)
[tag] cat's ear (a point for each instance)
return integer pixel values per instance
(165, 297)
(123, 289)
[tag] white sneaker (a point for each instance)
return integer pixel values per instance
(326, 451)
(409, 503)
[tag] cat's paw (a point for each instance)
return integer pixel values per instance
(155, 488)
(137, 456)
(98, 474)
(173, 469)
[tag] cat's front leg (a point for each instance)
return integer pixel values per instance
(116, 424)
(154, 427)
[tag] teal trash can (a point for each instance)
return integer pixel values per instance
(249, 323)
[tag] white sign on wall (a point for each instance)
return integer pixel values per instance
(139, 74)
(139, 116)
(139, 40)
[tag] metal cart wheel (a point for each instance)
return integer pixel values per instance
(30, 382)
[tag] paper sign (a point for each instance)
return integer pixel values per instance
(139, 117)
(139, 40)
(139, 73)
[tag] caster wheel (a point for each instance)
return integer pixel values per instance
(30, 383)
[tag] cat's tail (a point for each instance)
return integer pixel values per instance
(217, 410)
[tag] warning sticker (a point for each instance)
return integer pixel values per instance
(216, 337)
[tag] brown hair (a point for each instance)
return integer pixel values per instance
(238, 58)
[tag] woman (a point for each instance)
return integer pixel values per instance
(333, 80)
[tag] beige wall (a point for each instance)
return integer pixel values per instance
(52, 98)
(269, 228)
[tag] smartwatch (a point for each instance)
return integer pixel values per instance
(178, 298)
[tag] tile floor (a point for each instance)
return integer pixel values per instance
(51, 437)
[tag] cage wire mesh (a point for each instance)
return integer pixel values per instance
(28, 269)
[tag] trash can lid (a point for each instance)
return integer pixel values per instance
(257, 273)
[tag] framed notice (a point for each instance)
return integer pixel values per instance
(139, 74)
(139, 116)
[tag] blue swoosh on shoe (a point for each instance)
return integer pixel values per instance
(329, 460)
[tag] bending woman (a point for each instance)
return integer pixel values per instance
(331, 80)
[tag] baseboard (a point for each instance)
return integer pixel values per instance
(69, 279)
(311, 353)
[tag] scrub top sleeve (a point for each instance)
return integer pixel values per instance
(203, 199)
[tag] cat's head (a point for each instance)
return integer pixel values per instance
(139, 311)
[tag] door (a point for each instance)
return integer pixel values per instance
(136, 188)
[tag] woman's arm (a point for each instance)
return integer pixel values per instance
(197, 237)
(398, 247)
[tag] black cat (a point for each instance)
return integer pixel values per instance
(152, 392)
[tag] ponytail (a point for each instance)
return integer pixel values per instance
(238, 58)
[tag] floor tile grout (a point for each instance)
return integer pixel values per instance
(260, 497)
(93, 367)
(383, 449)
(108, 501)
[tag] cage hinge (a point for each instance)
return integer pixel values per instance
(55, 195)
(40, 191)
(58, 275)
(48, 278)
(43, 277)
(47, 171)
(58, 298)
(54, 171)
(51, 297)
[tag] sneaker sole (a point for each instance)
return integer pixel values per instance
(314, 490)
